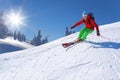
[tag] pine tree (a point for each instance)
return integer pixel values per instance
(38, 39)
(3, 29)
(21, 37)
(68, 32)
(45, 40)
(15, 35)
(33, 42)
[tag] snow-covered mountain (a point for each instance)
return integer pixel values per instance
(9, 45)
(97, 58)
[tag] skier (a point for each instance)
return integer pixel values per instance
(90, 24)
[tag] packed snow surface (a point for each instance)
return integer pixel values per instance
(97, 58)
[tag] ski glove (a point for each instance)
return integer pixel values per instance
(72, 27)
(98, 33)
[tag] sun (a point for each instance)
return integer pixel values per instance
(15, 19)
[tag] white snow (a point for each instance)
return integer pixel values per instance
(97, 58)
(9, 45)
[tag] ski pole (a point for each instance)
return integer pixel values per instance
(105, 38)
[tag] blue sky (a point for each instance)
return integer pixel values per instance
(52, 16)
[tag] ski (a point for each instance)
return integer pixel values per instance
(65, 45)
(69, 45)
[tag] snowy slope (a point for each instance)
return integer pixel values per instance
(98, 58)
(9, 45)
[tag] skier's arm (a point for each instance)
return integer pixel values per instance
(77, 24)
(96, 26)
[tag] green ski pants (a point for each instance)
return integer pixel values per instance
(84, 33)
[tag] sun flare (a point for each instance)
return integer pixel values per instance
(15, 19)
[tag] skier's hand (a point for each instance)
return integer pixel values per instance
(98, 33)
(72, 27)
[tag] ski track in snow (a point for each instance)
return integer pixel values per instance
(79, 65)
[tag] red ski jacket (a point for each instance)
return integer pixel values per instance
(89, 22)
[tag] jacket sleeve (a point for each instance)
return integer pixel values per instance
(94, 24)
(78, 23)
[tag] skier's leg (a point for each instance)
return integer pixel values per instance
(79, 36)
(86, 33)
(81, 32)
(82, 36)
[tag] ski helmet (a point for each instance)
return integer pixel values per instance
(84, 14)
